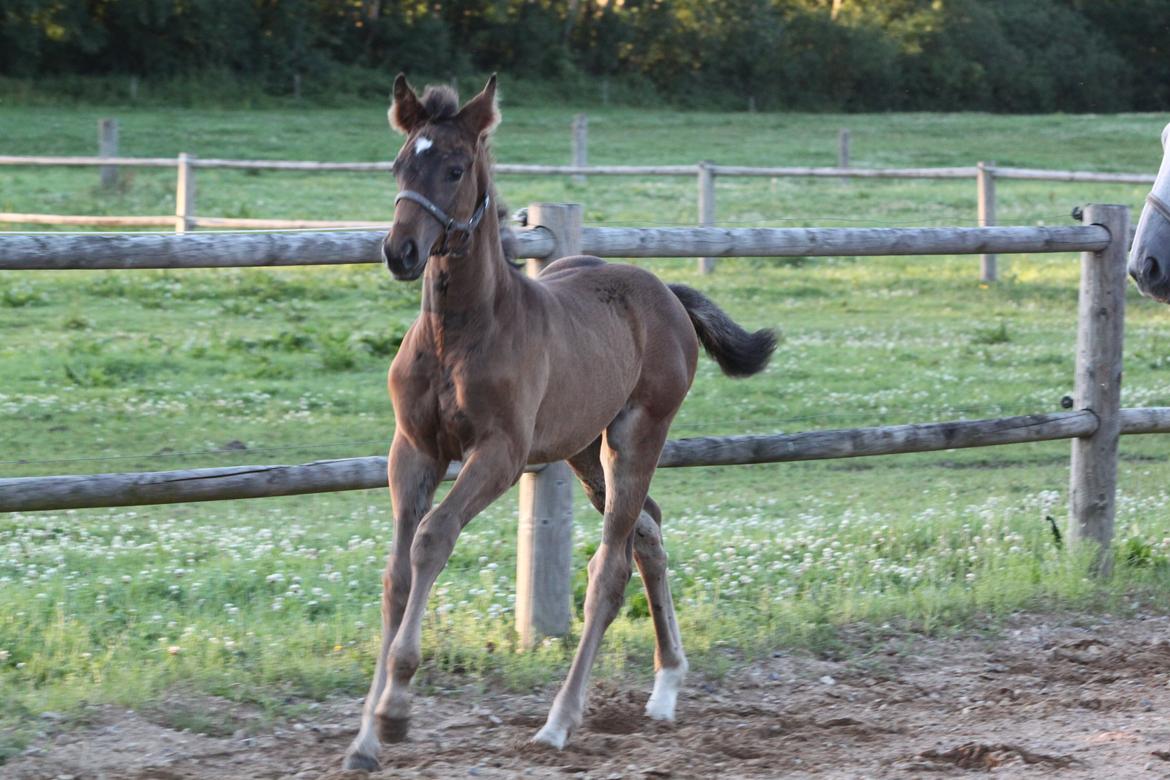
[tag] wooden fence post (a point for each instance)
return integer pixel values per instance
(985, 185)
(580, 145)
(544, 539)
(185, 194)
(843, 148)
(108, 147)
(1100, 336)
(706, 209)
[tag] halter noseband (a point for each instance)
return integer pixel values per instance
(449, 223)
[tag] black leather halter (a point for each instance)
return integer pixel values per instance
(1159, 205)
(449, 223)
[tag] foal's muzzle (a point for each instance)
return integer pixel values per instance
(405, 263)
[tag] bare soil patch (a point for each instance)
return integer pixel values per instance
(1046, 697)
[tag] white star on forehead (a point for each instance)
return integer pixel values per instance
(422, 144)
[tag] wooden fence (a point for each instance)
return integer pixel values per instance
(186, 219)
(545, 541)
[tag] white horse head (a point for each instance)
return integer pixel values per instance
(1149, 258)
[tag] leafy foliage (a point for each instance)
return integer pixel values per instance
(893, 54)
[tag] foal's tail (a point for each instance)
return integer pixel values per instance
(737, 352)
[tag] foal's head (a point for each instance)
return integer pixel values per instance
(443, 187)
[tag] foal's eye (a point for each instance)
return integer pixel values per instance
(455, 174)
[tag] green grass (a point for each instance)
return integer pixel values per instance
(267, 601)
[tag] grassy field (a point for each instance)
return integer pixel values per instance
(276, 601)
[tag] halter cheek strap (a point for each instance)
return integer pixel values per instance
(449, 223)
(1159, 205)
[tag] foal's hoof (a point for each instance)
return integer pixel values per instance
(361, 761)
(552, 736)
(393, 729)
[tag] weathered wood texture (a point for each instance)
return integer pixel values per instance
(828, 242)
(287, 224)
(706, 184)
(884, 440)
(544, 554)
(963, 172)
(580, 145)
(544, 542)
(1037, 174)
(561, 224)
(185, 195)
(841, 171)
(71, 219)
(192, 250)
(293, 165)
(53, 252)
(108, 147)
(210, 250)
(1100, 337)
(26, 494)
(86, 161)
(985, 188)
(843, 148)
(595, 170)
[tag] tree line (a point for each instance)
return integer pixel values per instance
(996, 55)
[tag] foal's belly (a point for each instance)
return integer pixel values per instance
(576, 410)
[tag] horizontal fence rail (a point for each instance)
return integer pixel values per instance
(825, 172)
(831, 242)
(834, 172)
(85, 221)
(26, 494)
(207, 250)
(1037, 174)
(186, 218)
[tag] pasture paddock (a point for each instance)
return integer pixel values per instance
(855, 380)
(1092, 263)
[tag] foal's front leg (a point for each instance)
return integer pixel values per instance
(413, 479)
(487, 472)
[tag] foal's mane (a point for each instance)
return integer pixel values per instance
(442, 104)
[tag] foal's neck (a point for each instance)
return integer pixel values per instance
(462, 294)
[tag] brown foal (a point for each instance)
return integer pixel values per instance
(588, 363)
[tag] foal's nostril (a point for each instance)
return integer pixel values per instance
(410, 253)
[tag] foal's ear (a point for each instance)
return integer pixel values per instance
(1166, 137)
(406, 112)
(480, 115)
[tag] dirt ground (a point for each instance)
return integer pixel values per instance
(1045, 697)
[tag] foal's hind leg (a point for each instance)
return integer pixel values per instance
(629, 454)
(670, 663)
